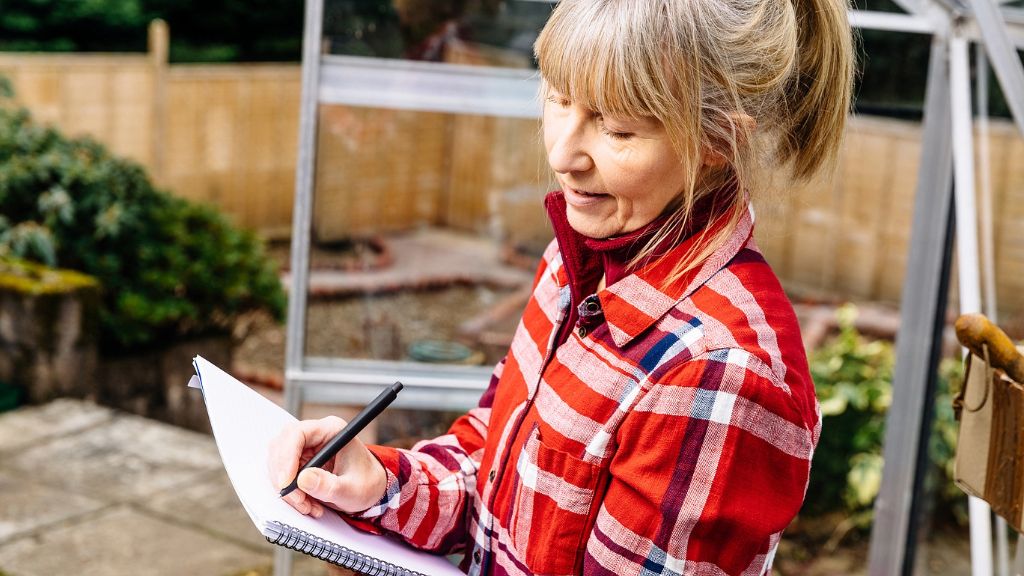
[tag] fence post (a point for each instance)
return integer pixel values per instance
(159, 42)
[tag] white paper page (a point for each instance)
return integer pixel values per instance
(244, 422)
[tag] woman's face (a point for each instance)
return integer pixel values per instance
(617, 174)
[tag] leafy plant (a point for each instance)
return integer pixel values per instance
(169, 268)
(853, 380)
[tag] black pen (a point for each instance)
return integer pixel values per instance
(355, 426)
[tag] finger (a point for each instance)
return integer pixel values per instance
(318, 432)
(284, 454)
(299, 501)
(296, 440)
(324, 486)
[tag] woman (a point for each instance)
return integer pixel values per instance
(654, 413)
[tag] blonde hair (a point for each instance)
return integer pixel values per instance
(702, 68)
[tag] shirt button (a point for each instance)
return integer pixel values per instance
(490, 476)
(477, 556)
(582, 331)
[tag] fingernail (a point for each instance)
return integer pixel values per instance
(308, 481)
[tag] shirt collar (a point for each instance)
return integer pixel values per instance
(638, 301)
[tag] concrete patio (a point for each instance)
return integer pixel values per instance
(86, 490)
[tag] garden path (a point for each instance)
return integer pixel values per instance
(90, 491)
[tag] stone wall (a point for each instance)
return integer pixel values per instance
(48, 331)
(154, 383)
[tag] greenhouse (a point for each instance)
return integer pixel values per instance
(377, 214)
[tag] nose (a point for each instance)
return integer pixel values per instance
(569, 151)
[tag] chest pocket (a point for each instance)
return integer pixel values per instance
(552, 507)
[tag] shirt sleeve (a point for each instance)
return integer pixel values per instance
(712, 465)
(431, 487)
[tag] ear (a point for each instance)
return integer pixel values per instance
(740, 127)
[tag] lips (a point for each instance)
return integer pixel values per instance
(582, 198)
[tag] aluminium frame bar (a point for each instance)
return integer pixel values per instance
(1003, 55)
(302, 216)
(922, 307)
(302, 219)
(986, 236)
(969, 282)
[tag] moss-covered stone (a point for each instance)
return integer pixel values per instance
(48, 330)
(35, 279)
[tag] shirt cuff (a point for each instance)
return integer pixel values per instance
(384, 455)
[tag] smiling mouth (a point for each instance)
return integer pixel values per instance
(585, 193)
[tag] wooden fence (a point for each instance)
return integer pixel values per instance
(220, 134)
(226, 134)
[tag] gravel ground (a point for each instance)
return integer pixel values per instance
(379, 327)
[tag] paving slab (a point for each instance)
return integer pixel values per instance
(210, 504)
(125, 458)
(27, 506)
(30, 426)
(92, 491)
(125, 542)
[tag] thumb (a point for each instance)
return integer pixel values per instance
(319, 484)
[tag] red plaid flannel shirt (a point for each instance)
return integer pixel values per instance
(675, 438)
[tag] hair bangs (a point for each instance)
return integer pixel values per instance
(593, 55)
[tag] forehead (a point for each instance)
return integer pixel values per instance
(605, 57)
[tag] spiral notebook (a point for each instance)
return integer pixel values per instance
(243, 424)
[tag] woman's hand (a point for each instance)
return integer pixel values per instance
(351, 482)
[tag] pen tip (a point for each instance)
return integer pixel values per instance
(288, 489)
(397, 386)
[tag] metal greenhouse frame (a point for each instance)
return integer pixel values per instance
(945, 203)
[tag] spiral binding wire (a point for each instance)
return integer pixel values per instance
(295, 539)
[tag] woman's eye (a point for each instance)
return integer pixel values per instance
(611, 132)
(617, 135)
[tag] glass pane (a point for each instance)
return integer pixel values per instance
(943, 543)
(427, 228)
(483, 32)
(847, 241)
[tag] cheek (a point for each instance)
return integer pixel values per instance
(655, 186)
(669, 174)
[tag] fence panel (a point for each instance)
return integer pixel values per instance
(226, 134)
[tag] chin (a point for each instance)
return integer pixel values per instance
(590, 229)
(593, 226)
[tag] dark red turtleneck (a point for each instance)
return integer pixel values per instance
(587, 259)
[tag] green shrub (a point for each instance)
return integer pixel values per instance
(853, 379)
(169, 268)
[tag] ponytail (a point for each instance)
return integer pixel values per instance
(820, 92)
